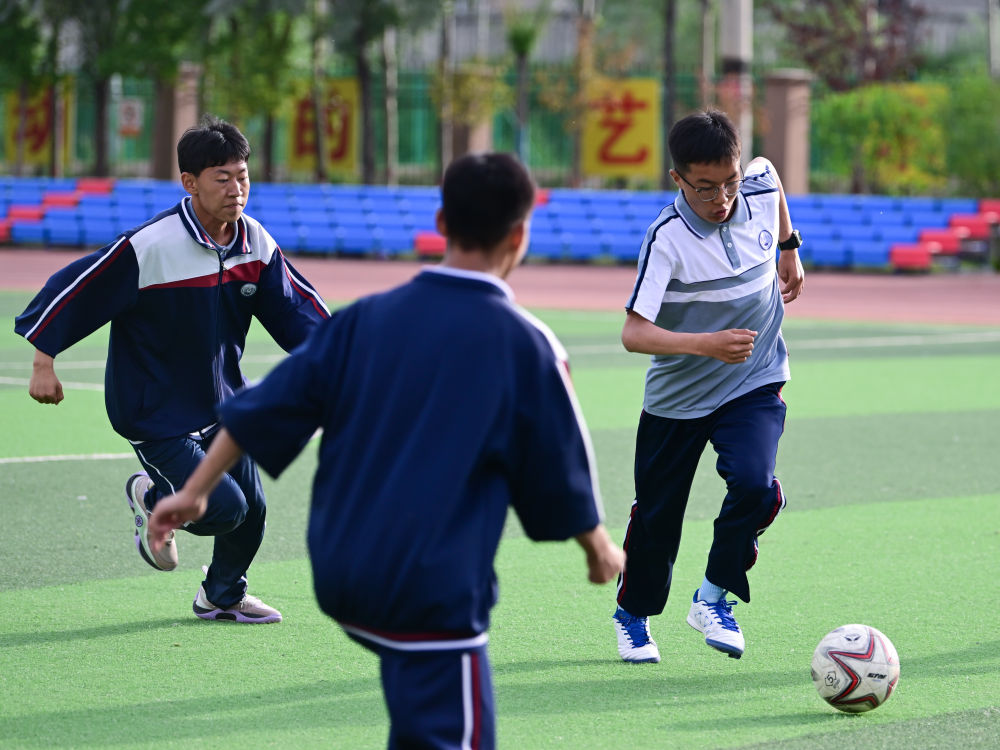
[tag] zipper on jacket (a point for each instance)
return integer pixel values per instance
(217, 358)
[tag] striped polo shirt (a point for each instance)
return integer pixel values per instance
(697, 276)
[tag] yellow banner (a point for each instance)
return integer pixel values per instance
(621, 130)
(30, 121)
(341, 121)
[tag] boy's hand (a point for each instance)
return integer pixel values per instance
(605, 560)
(171, 513)
(790, 274)
(44, 385)
(732, 346)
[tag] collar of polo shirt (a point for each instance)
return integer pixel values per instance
(702, 228)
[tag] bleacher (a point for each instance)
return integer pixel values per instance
(840, 231)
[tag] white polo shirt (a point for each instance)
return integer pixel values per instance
(697, 276)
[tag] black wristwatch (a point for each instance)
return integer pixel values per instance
(794, 242)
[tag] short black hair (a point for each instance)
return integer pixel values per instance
(483, 197)
(213, 143)
(707, 137)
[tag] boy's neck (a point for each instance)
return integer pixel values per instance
(497, 262)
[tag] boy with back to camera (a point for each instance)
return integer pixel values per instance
(707, 305)
(180, 292)
(441, 403)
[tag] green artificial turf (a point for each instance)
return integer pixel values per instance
(888, 461)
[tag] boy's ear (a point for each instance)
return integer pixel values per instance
(189, 182)
(516, 235)
(439, 223)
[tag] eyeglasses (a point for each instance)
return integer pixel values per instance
(707, 194)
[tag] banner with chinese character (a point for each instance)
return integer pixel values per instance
(621, 130)
(341, 120)
(30, 121)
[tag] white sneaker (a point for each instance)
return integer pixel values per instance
(634, 642)
(135, 492)
(716, 621)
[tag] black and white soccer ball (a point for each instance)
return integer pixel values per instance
(855, 668)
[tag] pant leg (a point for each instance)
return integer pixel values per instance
(667, 452)
(745, 436)
(440, 700)
(235, 515)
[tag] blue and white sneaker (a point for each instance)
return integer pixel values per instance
(634, 642)
(716, 621)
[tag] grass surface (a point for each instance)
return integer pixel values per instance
(888, 459)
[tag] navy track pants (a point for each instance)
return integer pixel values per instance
(744, 433)
(235, 515)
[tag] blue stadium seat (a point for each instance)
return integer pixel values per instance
(27, 233)
(869, 254)
(354, 240)
(393, 240)
(582, 245)
(836, 253)
(97, 230)
(62, 227)
(622, 247)
(857, 232)
(546, 244)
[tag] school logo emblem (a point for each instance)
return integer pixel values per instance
(248, 290)
(766, 239)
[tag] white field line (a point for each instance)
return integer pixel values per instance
(70, 385)
(80, 457)
(853, 342)
(871, 342)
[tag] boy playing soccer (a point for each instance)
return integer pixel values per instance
(707, 305)
(441, 404)
(180, 292)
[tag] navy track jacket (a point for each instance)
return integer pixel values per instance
(441, 404)
(180, 306)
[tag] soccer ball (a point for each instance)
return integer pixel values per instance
(855, 668)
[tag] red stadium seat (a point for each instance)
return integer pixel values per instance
(95, 184)
(946, 241)
(25, 212)
(429, 243)
(60, 198)
(980, 226)
(910, 257)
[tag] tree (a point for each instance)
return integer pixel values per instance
(356, 25)
(20, 39)
(253, 56)
(122, 37)
(523, 30)
(847, 43)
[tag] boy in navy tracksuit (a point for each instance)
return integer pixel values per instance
(180, 292)
(441, 404)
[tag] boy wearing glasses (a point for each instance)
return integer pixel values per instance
(707, 305)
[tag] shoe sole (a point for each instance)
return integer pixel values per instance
(141, 523)
(226, 615)
(726, 648)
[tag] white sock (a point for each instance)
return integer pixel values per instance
(709, 592)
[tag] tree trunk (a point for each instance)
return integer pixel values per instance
(521, 136)
(446, 132)
(584, 73)
(56, 115)
(267, 154)
(164, 155)
(101, 97)
(669, 87)
(367, 124)
(23, 92)
(390, 70)
(319, 91)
